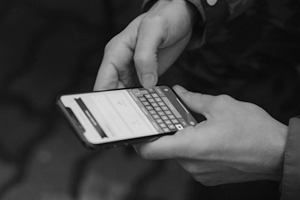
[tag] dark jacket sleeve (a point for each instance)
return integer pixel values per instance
(291, 172)
(214, 13)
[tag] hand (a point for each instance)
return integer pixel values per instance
(237, 142)
(147, 47)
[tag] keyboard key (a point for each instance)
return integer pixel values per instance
(161, 103)
(162, 125)
(157, 99)
(166, 130)
(168, 122)
(159, 121)
(151, 90)
(149, 107)
(179, 126)
(164, 117)
(154, 104)
(157, 109)
(144, 92)
(165, 108)
(171, 126)
(156, 116)
(146, 103)
(168, 112)
(161, 113)
(171, 116)
(152, 112)
(175, 121)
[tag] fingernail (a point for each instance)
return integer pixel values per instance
(148, 80)
(179, 88)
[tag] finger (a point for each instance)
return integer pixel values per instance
(105, 78)
(197, 102)
(116, 56)
(166, 147)
(150, 37)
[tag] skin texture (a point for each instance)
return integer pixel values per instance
(147, 47)
(237, 142)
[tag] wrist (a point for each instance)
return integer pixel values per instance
(279, 144)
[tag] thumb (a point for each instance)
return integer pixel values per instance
(150, 36)
(166, 147)
(197, 102)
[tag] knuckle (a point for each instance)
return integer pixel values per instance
(194, 96)
(119, 40)
(153, 19)
(140, 59)
(143, 152)
(110, 44)
(107, 47)
(224, 98)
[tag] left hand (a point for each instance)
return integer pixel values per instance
(237, 142)
(147, 47)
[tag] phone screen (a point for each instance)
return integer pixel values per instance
(123, 114)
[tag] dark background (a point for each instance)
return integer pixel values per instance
(50, 47)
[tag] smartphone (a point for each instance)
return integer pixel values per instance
(125, 116)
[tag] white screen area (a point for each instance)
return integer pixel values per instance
(116, 112)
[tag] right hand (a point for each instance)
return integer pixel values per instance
(147, 47)
(237, 142)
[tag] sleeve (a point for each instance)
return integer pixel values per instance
(214, 13)
(291, 171)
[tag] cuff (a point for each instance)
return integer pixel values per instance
(291, 172)
(211, 18)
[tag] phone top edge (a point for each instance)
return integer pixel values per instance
(111, 142)
(107, 90)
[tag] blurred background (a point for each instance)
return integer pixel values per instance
(51, 47)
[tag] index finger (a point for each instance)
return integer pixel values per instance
(116, 58)
(165, 147)
(150, 37)
(197, 102)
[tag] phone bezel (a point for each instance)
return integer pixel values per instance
(116, 143)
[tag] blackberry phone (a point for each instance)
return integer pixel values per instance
(125, 116)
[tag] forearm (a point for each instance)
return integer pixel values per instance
(212, 15)
(291, 173)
